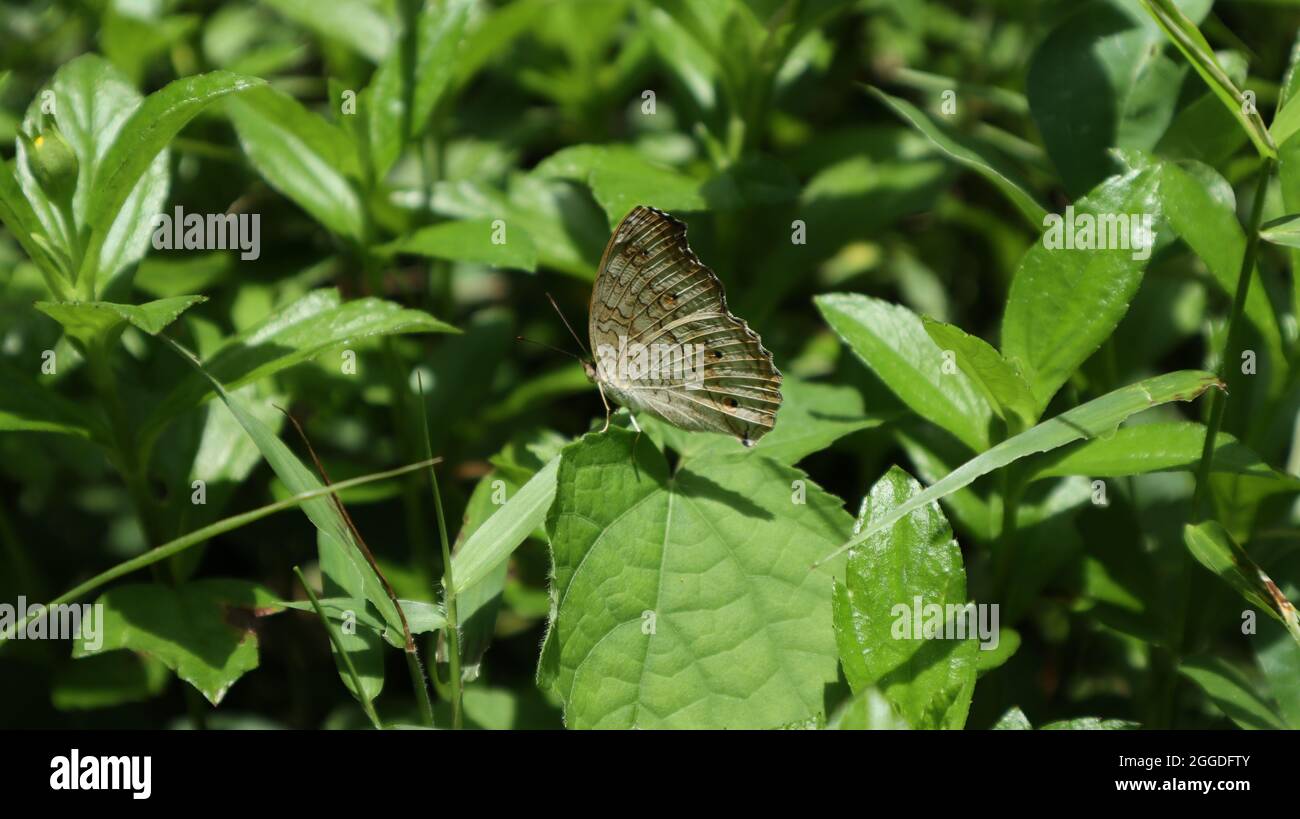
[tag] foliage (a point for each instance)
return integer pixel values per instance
(1094, 441)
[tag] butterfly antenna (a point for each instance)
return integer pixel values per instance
(548, 346)
(560, 313)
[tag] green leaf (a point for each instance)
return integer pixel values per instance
(1199, 206)
(1063, 303)
(1002, 387)
(1287, 122)
(1215, 549)
(1008, 642)
(26, 406)
(341, 576)
(301, 330)
(892, 342)
(967, 151)
(301, 155)
(469, 240)
(621, 178)
(201, 630)
(1184, 34)
(1160, 447)
(492, 543)
(1283, 231)
(892, 575)
(96, 321)
(1013, 720)
(686, 599)
(564, 225)
(350, 568)
(20, 220)
(812, 417)
(413, 77)
(1098, 417)
(107, 680)
(94, 100)
(1099, 80)
(355, 23)
(1090, 724)
(145, 134)
(1230, 692)
(869, 710)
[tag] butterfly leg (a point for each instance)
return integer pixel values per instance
(636, 470)
(604, 401)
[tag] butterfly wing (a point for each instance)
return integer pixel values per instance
(652, 290)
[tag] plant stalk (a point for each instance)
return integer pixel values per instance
(1218, 399)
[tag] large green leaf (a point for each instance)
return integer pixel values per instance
(891, 340)
(970, 153)
(301, 155)
(890, 577)
(301, 330)
(1096, 418)
(1064, 302)
(204, 630)
(145, 134)
(687, 599)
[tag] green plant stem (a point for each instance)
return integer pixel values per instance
(366, 705)
(452, 630)
(1218, 399)
(210, 531)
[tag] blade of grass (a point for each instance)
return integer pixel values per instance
(180, 544)
(451, 633)
(1097, 417)
(412, 653)
(332, 631)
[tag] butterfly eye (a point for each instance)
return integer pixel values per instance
(730, 403)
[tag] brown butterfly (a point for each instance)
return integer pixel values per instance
(664, 342)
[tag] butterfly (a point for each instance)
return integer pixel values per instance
(664, 342)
